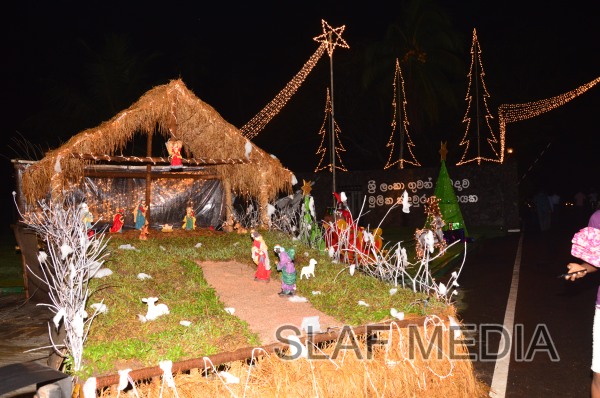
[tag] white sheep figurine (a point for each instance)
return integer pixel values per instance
(309, 270)
(154, 310)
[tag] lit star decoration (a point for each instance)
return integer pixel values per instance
(306, 187)
(405, 139)
(322, 150)
(509, 113)
(331, 37)
(476, 149)
(443, 150)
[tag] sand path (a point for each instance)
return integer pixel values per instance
(258, 303)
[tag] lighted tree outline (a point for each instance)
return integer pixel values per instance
(470, 135)
(323, 147)
(402, 130)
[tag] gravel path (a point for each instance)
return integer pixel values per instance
(258, 303)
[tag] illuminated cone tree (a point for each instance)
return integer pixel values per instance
(448, 201)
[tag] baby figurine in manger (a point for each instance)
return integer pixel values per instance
(145, 231)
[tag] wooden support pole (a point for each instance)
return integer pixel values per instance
(263, 202)
(148, 176)
(228, 206)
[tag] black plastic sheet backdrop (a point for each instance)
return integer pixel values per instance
(168, 200)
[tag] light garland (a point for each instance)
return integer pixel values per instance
(104, 195)
(509, 113)
(330, 39)
(475, 136)
(434, 221)
(258, 122)
(322, 150)
(156, 160)
(404, 136)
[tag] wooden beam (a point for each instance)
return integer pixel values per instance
(143, 174)
(156, 160)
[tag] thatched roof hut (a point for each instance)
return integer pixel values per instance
(173, 111)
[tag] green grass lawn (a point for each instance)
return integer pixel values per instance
(11, 267)
(119, 336)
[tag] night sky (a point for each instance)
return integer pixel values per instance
(237, 57)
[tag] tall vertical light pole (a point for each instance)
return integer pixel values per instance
(331, 38)
(399, 109)
(332, 121)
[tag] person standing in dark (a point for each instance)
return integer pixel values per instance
(543, 210)
(593, 199)
(580, 200)
(555, 205)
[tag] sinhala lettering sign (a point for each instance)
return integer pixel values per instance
(387, 194)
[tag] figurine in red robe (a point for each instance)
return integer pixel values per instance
(118, 221)
(174, 149)
(342, 210)
(260, 256)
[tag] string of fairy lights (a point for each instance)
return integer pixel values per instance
(434, 221)
(258, 122)
(105, 195)
(329, 39)
(156, 160)
(404, 135)
(509, 113)
(474, 136)
(322, 149)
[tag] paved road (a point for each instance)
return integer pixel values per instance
(561, 311)
(23, 326)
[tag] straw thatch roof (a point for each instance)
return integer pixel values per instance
(175, 112)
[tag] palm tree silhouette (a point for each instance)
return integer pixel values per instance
(430, 51)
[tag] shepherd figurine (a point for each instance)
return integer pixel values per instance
(86, 216)
(288, 270)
